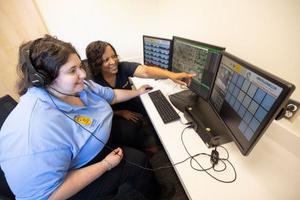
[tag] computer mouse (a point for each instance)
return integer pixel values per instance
(149, 88)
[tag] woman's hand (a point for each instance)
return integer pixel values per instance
(182, 78)
(144, 89)
(129, 115)
(77, 179)
(114, 158)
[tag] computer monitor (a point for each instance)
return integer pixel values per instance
(247, 99)
(157, 51)
(199, 58)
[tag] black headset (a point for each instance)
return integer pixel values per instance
(40, 77)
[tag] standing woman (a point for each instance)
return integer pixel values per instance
(106, 70)
(56, 144)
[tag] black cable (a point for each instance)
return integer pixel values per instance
(212, 167)
(191, 157)
(191, 164)
(227, 153)
(73, 95)
(206, 170)
(220, 170)
(112, 149)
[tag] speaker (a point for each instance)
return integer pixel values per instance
(38, 78)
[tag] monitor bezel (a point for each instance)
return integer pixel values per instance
(287, 89)
(192, 85)
(170, 51)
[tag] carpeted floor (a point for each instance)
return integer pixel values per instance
(170, 184)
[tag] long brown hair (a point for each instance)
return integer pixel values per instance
(46, 54)
(94, 52)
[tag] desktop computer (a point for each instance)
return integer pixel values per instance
(229, 99)
(157, 51)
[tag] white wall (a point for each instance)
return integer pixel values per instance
(262, 32)
(265, 33)
(121, 23)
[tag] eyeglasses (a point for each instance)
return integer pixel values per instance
(113, 57)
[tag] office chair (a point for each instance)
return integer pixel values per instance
(7, 104)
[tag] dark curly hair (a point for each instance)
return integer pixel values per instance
(94, 52)
(47, 54)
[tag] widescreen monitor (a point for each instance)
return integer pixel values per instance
(247, 99)
(199, 58)
(157, 51)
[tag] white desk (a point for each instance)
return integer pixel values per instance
(269, 172)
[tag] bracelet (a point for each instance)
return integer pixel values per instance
(109, 164)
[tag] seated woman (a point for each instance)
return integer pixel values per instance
(108, 71)
(57, 143)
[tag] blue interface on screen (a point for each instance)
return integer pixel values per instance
(242, 97)
(157, 52)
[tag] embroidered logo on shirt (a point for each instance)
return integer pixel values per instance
(84, 120)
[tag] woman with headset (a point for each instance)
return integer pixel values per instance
(107, 70)
(57, 144)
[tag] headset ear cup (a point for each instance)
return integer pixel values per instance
(45, 77)
(39, 78)
(36, 80)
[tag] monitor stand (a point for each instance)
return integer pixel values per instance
(207, 122)
(183, 99)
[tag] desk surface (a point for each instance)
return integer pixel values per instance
(269, 172)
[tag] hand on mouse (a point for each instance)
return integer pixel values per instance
(149, 88)
(144, 89)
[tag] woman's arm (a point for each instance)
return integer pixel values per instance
(78, 179)
(129, 115)
(144, 71)
(124, 95)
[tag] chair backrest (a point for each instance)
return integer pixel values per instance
(7, 104)
(89, 75)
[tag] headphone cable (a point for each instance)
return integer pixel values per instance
(213, 166)
(110, 148)
(72, 95)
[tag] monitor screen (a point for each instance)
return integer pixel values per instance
(199, 58)
(157, 51)
(247, 99)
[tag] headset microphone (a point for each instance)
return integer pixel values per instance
(73, 95)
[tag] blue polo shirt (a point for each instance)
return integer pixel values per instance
(40, 142)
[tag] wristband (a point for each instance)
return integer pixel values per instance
(109, 164)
